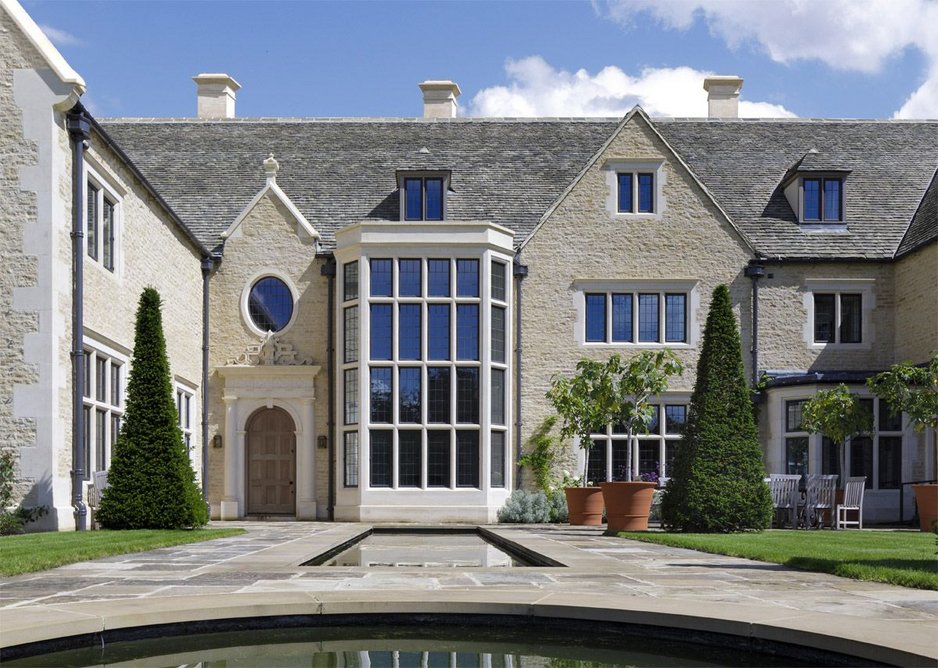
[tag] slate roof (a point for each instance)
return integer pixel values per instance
(924, 227)
(743, 162)
(510, 171)
(343, 171)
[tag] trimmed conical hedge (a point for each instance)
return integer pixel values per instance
(718, 479)
(151, 484)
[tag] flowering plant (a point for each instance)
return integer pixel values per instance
(649, 476)
(567, 479)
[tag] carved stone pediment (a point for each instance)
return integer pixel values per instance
(269, 352)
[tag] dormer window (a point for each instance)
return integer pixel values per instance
(822, 200)
(423, 197)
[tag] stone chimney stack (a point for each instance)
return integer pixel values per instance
(216, 95)
(723, 96)
(439, 98)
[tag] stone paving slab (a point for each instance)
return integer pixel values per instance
(261, 573)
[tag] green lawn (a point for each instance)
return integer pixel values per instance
(903, 558)
(39, 551)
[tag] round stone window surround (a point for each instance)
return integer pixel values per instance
(246, 294)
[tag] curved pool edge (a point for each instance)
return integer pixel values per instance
(895, 642)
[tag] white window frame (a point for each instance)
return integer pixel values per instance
(106, 190)
(687, 287)
(484, 427)
(663, 438)
(246, 294)
(816, 441)
(95, 352)
(865, 287)
(635, 167)
(185, 396)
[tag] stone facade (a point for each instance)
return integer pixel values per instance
(35, 406)
(583, 240)
(786, 339)
(916, 312)
(268, 241)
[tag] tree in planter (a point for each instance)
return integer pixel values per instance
(587, 402)
(611, 392)
(643, 377)
(718, 478)
(910, 389)
(151, 484)
(838, 415)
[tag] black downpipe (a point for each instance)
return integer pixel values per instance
(79, 130)
(328, 269)
(208, 264)
(755, 272)
(520, 271)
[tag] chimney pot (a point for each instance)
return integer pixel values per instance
(216, 95)
(439, 98)
(723, 96)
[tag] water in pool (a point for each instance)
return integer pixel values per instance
(405, 647)
(425, 550)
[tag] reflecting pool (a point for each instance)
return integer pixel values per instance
(418, 646)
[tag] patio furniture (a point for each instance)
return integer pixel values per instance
(784, 489)
(853, 501)
(821, 492)
(95, 490)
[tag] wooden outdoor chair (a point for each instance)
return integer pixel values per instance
(784, 489)
(853, 501)
(95, 490)
(821, 492)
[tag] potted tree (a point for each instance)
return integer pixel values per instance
(913, 390)
(646, 375)
(585, 403)
(839, 415)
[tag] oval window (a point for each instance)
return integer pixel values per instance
(270, 304)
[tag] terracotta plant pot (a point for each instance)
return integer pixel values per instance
(926, 497)
(628, 504)
(585, 505)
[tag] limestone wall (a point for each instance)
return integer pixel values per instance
(267, 241)
(35, 284)
(151, 251)
(584, 240)
(917, 304)
(786, 339)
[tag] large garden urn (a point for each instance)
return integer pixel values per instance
(585, 505)
(926, 497)
(628, 504)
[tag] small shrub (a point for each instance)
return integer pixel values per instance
(525, 508)
(558, 506)
(13, 521)
(543, 450)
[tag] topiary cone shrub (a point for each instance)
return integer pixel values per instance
(718, 480)
(151, 484)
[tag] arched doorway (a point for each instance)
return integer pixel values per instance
(270, 463)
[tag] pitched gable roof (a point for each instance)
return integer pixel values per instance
(924, 226)
(744, 162)
(510, 171)
(344, 171)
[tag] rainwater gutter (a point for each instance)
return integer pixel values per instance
(329, 269)
(79, 130)
(755, 270)
(520, 271)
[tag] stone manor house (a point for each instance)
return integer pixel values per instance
(363, 315)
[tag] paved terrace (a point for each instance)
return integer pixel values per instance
(259, 574)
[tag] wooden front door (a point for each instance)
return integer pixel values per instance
(270, 445)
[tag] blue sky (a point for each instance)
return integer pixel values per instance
(827, 58)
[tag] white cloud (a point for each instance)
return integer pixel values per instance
(844, 34)
(537, 89)
(60, 37)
